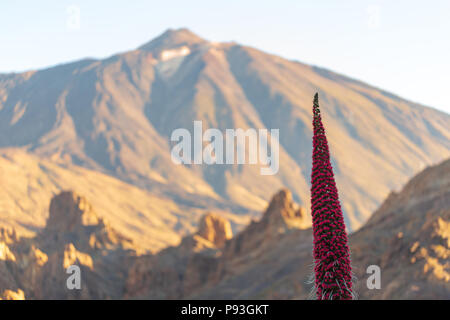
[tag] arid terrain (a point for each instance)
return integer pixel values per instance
(408, 237)
(86, 178)
(154, 221)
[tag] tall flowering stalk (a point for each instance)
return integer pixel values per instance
(333, 274)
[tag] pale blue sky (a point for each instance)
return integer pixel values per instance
(401, 46)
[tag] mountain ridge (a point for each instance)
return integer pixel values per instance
(200, 39)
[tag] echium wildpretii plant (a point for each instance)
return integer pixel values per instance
(333, 273)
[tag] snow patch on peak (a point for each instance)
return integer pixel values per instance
(170, 61)
(174, 53)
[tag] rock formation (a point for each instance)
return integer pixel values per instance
(408, 237)
(200, 263)
(69, 211)
(215, 229)
(12, 295)
(176, 271)
(74, 235)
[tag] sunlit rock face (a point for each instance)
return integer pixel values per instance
(36, 267)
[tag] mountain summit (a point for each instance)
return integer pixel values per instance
(173, 38)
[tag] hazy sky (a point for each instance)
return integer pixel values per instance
(400, 46)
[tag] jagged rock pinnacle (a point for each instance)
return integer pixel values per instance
(69, 210)
(215, 229)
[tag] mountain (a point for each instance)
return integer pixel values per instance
(408, 237)
(116, 115)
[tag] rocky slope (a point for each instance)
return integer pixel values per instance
(27, 183)
(35, 268)
(408, 237)
(116, 116)
(198, 264)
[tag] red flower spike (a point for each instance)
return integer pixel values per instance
(333, 272)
